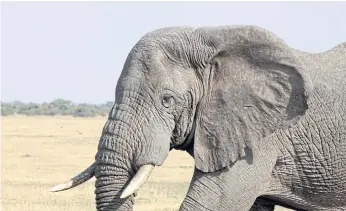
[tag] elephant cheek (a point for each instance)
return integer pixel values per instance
(156, 150)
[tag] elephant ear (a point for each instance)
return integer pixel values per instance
(251, 90)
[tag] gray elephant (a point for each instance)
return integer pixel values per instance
(265, 123)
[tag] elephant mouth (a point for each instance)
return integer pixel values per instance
(135, 184)
(186, 144)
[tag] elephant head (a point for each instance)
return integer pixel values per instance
(211, 91)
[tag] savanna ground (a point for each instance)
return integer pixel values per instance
(39, 152)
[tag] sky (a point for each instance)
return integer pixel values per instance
(76, 50)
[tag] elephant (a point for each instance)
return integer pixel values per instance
(264, 122)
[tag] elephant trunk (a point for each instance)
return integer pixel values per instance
(115, 185)
(115, 162)
(126, 154)
(109, 185)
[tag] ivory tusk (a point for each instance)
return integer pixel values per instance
(77, 180)
(138, 180)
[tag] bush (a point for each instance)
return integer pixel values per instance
(56, 107)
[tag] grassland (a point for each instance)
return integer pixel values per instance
(38, 152)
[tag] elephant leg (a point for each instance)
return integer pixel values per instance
(225, 190)
(235, 188)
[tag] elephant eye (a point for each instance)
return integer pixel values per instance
(168, 101)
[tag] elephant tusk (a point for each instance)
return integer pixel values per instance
(138, 180)
(77, 180)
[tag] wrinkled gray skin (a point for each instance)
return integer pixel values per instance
(265, 123)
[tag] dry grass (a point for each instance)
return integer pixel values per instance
(38, 152)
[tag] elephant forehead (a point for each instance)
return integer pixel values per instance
(173, 77)
(149, 69)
